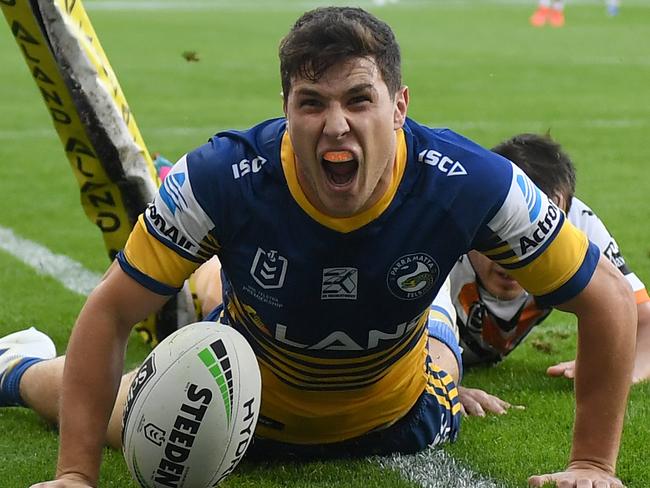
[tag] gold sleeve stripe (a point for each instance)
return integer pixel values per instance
(438, 315)
(557, 264)
(156, 260)
(347, 224)
(504, 248)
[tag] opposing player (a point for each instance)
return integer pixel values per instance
(495, 313)
(336, 226)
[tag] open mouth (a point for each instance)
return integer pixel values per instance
(340, 167)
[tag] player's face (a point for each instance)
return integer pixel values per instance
(342, 129)
(494, 278)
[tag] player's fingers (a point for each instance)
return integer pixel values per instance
(496, 405)
(570, 373)
(560, 368)
(539, 480)
(474, 408)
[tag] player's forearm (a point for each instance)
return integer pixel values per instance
(92, 373)
(606, 344)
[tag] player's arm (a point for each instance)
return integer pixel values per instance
(556, 262)
(641, 371)
(606, 340)
(442, 345)
(585, 219)
(93, 369)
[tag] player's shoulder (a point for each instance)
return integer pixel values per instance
(238, 152)
(454, 155)
(585, 219)
(455, 169)
(580, 214)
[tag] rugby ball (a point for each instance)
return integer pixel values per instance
(192, 408)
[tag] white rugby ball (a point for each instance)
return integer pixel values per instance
(192, 408)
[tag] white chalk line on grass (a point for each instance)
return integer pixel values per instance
(433, 468)
(71, 274)
(44, 132)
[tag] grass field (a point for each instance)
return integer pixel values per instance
(475, 66)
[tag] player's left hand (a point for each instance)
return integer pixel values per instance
(566, 369)
(476, 402)
(590, 477)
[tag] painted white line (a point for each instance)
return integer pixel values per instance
(457, 125)
(434, 468)
(66, 271)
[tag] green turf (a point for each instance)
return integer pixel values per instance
(477, 67)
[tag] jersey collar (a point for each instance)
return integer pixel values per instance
(342, 224)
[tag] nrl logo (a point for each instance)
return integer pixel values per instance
(269, 269)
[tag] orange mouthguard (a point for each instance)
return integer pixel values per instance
(338, 156)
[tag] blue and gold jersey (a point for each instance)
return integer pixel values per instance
(336, 308)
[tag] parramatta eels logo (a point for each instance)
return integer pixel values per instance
(215, 358)
(412, 276)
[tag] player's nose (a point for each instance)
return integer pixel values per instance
(336, 122)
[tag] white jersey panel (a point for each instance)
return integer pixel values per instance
(175, 217)
(528, 231)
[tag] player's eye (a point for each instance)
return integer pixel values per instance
(358, 99)
(309, 102)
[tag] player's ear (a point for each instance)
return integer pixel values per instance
(401, 102)
(284, 103)
(559, 200)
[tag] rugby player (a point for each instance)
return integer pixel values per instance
(494, 313)
(336, 226)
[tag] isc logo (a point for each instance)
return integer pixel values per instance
(245, 166)
(443, 163)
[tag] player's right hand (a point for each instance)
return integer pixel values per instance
(566, 369)
(476, 402)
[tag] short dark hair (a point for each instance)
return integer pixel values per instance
(326, 36)
(544, 161)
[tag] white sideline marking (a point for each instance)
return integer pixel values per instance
(66, 271)
(433, 468)
(46, 132)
